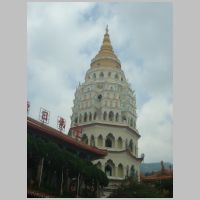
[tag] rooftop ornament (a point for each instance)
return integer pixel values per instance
(61, 123)
(44, 116)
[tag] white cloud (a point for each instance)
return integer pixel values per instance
(64, 37)
(155, 127)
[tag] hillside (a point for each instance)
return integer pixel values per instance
(149, 167)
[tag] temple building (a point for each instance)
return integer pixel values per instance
(105, 109)
(50, 156)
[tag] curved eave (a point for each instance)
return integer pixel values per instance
(46, 130)
(106, 57)
(113, 125)
(128, 152)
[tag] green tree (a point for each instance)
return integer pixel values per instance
(60, 165)
(132, 189)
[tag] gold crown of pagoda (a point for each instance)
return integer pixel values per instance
(106, 56)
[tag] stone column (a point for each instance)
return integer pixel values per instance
(115, 172)
(95, 140)
(104, 141)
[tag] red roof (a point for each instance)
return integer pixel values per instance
(148, 178)
(35, 194)
(160, 175)
(59, 135)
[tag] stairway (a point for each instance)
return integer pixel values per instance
(112, 186)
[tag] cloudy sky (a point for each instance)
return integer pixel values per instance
(62, 38)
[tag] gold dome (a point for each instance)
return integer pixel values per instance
(106, 56)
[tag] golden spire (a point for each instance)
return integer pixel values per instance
(107, 28)
(106, 56)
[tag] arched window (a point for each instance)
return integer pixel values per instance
(135, 150)
(131, 122)
(127, 170)
(116, 76)
(101, 75)
(90, 116)
(95, 116)
(94, 76)
(76, 120)
(84, 139)
(123, 118)
(132, 171)
(111, 115)
(131, 145)
(120, 170)
(85, 117)
(92, 141)
(117, 117)
(109, 74)
(99, 97)
(126, 143)
(119, 142)
(105, 115)
(110, 141)
(100, 141)
(108, 170)
(80, 118)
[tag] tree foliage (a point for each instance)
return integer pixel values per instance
(59, 161)
(132, 189)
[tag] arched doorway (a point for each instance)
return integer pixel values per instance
(110, 141)
(108, 170)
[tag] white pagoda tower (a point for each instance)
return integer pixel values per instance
(105, 108)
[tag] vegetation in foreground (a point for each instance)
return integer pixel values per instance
(130, 188)
(61, 171)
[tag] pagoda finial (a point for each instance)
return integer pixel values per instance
(106, 55)
(107, 28)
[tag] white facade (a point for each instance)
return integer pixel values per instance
(105, 108)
